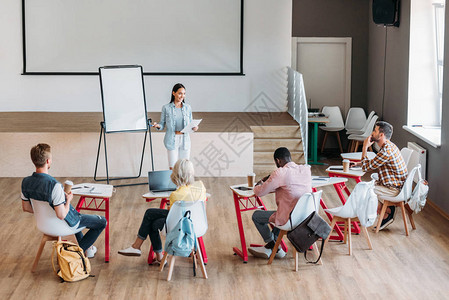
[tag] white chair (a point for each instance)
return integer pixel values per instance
(400, 201)
(361, 203)
(359, 138)
(335, 124)
(199, 220)
(356, 119)
(52, 228)
(307, 204)
(406, 155)
(362, 129)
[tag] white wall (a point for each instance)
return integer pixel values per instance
(267, 43)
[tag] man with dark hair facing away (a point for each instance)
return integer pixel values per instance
(41, 186)
(390, 165)
(289, 182)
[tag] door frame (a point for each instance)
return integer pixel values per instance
(347, 41)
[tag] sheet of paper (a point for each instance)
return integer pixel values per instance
(188, 128)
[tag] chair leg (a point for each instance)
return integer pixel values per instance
(365, 232)
(324, 142)
(345, 233)
(171, 267)
(381, 215)
(404, 217)
(348, 233)
(296, 255)
(339, 141)
(164, 258)
(276, 246)
(334, 221)
(44, 240)
(200, 258)
(410, 215)
(356, 146)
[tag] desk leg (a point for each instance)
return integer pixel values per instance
(314, 146)
(106, 235)
(339, 235)
(80, 203)
(202, 249)
(242, 253)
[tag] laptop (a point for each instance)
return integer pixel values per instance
(159, 181)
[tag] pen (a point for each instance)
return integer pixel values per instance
(323, 179)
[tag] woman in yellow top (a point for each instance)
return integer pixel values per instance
(154, 218)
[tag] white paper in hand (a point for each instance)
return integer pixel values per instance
(188, 128)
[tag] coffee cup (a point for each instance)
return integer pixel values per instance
(345, 165)
(68, 186)
(251, 179)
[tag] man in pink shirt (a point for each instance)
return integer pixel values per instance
(289, 182)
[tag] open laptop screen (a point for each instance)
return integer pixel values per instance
(159, 181)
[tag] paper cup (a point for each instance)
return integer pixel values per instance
(345, 165)
(251, 179)
(68, 186)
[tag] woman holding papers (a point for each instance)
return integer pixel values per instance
(154, 219)
(175, 116)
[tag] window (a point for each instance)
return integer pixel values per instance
(426, 70)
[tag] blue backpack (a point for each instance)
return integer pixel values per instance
(180, 241)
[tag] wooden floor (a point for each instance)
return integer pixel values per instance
(399, 267)
(90, 121)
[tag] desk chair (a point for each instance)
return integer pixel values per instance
(362, 201)
(335, 124)
(400, 200)
(52, 228)
(356, 119)
(307, 204)
(357, 139)
(199, 219)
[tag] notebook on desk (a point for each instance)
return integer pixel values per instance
(160, 181)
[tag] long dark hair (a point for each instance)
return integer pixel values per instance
(175, 88)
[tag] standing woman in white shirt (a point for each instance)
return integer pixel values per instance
(175, 116)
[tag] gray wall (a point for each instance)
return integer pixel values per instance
(396, 96)
(338, 18)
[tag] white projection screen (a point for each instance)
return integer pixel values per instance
(123, 98)
(163, 36)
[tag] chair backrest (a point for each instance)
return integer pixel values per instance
(370, 127)
(308, 203)
(407, 188)
(334, 115)
(197, 214)
(368, 121)
(406, 154)
(47, 221)
(356, 119)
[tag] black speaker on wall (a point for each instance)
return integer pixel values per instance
(386, 12)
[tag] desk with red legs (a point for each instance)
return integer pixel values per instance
(164, 196)
(245, 200)
(95, 197)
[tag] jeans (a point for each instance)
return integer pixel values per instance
(178, 152)
(152, 222)
(261, 220)
(95, 224)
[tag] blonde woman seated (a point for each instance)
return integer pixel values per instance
(154, 218)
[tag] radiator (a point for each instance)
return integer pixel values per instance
(419, 156)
